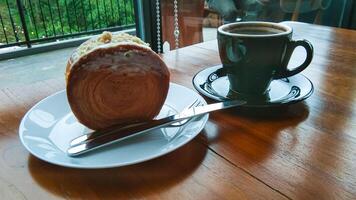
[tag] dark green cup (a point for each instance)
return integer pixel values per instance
(255, 53)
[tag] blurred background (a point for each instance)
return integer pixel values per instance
(41, 25)
(213, 13)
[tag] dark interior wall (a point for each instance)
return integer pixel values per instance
(341, 13)
(352, 22)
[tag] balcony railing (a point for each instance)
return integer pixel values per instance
(28, 22)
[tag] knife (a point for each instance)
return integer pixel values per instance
(117, 133)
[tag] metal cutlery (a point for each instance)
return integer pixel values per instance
(115, 133)
(95, 134)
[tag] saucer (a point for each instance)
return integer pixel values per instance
(48, 127)
(213, 83)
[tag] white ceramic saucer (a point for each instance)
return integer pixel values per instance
(49, 126)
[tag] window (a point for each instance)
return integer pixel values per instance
(198, 20)
(29, 23)
(165, 24)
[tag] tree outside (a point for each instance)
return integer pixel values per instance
(50, 18)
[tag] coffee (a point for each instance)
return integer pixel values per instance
(255, 53)
(255, 31)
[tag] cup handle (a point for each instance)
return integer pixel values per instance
(285, 72)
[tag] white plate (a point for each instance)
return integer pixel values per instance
(49, 126)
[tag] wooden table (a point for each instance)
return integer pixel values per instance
(302, 151)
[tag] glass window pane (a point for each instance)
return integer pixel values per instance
(32, 22)
(198, 20)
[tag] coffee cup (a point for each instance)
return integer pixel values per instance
(255, 53)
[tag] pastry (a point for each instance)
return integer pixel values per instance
(115, 79)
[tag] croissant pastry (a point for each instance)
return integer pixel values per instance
(115, 79)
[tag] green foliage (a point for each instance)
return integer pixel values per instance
(49, 18)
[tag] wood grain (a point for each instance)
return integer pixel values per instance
(302, 151)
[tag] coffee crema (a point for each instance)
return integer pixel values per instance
(255, 31)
